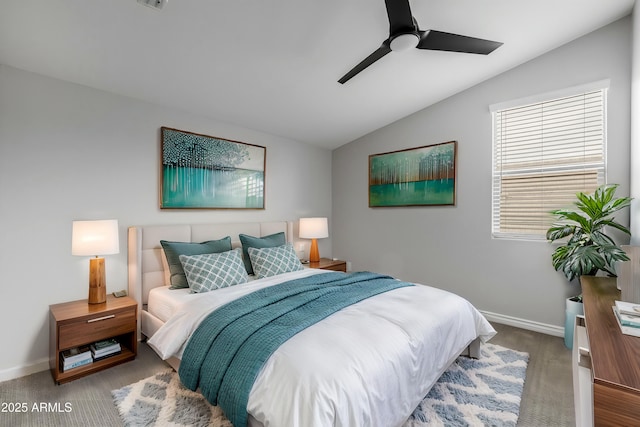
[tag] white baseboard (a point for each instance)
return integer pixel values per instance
(529, 325)
(23, 371)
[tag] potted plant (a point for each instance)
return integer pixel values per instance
(587, 248)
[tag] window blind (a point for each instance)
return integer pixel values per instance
(544, 153)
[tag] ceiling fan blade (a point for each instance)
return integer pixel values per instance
(377, 54)
(400, 18)
(438, 40)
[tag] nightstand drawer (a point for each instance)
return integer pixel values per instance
(329, 264)
(97, 327)
(340, 267)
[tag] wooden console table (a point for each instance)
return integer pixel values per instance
(614, 357)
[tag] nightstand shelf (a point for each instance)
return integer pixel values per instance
(82, 371)
(77, 323)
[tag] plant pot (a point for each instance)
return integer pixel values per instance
(573, 308)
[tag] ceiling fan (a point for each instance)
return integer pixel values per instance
(405, 34)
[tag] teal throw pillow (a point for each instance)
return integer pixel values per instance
(208, 272)
(173, 250)
(270, 241)
(271, 261)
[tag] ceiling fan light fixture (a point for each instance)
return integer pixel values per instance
(155, 4)
(403, 42)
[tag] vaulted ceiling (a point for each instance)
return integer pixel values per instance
(273, 65)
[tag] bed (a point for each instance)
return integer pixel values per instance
(369, 363)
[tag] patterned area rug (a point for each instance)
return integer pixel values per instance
(483, 392)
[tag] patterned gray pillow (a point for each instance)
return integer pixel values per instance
(277, 260)
(208, 272)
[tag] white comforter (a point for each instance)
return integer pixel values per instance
(369, 364)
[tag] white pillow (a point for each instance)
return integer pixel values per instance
(268, 262)
(208, 272)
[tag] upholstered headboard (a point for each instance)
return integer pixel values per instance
(147, 265)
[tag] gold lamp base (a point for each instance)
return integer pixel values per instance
(314, 254)
(97, 281)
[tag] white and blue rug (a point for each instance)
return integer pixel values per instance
(476, 392)
(483, 392)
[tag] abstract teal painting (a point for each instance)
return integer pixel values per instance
(422, 176)
(200, 171)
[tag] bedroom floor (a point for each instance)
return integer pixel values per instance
(547, 398)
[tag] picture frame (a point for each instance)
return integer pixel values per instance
(420, 176)
(207, 172)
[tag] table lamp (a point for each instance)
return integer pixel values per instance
(314, 228)
(95, 238)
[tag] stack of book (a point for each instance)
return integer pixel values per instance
(75, 357)
(628, 316)
(105, 348)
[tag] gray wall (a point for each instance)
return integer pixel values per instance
(452, 247)
(70, 152)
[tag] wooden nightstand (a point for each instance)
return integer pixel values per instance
(329, 264)
(78, 323)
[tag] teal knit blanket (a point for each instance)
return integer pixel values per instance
(226, 352)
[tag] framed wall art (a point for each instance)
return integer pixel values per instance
(422, 176)
(200, 171)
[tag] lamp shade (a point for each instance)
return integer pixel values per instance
(93, 238)
(314, 228)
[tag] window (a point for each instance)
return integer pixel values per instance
(545, 150)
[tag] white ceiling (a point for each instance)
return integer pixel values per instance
(273, 65)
